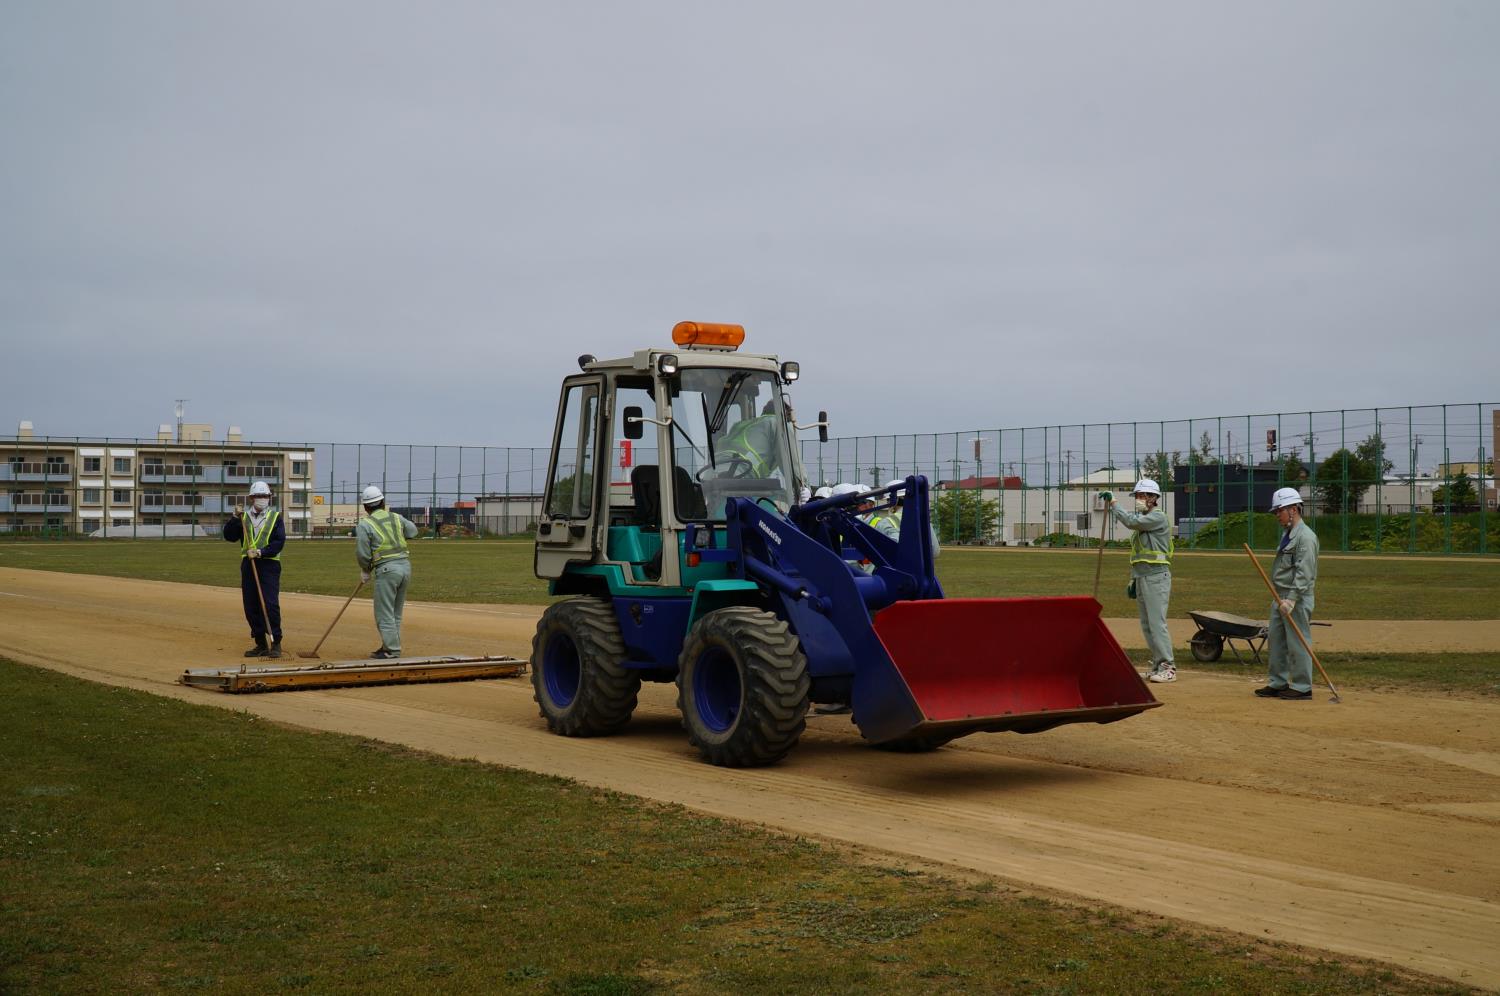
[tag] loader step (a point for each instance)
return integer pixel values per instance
(342, 674)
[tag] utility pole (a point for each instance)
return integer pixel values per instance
(178, 410)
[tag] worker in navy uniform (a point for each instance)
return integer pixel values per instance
(380, 547)
(259, 532)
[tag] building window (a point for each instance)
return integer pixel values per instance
(92, 496)
(151, 520)
(119, 522)
(299, 497)
(120, 497)
(91, 465)
(299, 525)
(299, 468)
(122, 465)
(54, 461)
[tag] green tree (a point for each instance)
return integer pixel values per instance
(1204, 451)
(1345, 476)
(964, 515)
(1292, 467)
(1158, 466)
(1371, 452)
(1457, 495)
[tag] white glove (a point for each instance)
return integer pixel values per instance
(255, 552)
(364, 577)
(1287, 605)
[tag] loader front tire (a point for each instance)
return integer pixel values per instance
(578, 673)
(742, 687)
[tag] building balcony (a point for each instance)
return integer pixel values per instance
(245, 475)
(208, 504)
(25, 503)
(155, 473)
(36, 472)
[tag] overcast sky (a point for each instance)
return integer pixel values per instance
(398, 222)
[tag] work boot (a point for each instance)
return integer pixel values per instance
(275, 650)
(1164, 672)
(383, 655)
(260, 649)
(1268, 692)
(1294, 695)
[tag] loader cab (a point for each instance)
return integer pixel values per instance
(645, 446)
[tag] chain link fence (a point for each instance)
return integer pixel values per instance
(1413, 479)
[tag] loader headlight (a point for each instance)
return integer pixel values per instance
(666, 364)
(790, 371)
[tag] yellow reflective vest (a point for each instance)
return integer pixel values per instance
(261, 537)
(392, 538)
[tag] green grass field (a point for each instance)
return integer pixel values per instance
(501, 571)
(148, 845)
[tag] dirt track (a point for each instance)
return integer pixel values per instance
(1367, 828)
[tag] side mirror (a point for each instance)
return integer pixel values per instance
(822, 427)
(635, 428)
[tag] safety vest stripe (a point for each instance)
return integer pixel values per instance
(391, 537)
(1140, 555)
(249, 536)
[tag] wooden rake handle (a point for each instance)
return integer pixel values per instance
(1288, 617)
(314, 651)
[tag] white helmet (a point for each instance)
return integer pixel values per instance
(1148, 486)
(371, 496)
(839, 490)
(1284, 497)
(260, 489)
(823, 492)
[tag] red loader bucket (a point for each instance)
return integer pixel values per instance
(970, 665)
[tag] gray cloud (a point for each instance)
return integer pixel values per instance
(356, 221)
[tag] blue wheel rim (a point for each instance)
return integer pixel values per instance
(716, 689)
(561, 671)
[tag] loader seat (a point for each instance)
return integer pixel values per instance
(645, 490)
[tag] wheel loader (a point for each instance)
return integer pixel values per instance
(676, 516)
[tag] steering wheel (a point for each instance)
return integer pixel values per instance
(735, 467)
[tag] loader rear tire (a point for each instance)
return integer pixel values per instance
(578, 673)
(742, 687)
(915, 745)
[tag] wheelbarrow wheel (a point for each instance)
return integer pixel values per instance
(742, 687)
(1207, 647)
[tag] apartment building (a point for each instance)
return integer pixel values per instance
(181, 483)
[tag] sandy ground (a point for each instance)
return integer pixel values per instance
(1367, 828)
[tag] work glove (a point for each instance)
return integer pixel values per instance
(1287, 605)
(255, 553)
(1107, 496)
(364, 577)
(1130, 589)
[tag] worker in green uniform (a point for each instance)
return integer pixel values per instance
(380, 547)
(894, 516)
(1293, 575)
(752, 448)
(1150, 572)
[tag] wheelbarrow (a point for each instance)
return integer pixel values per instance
(1215, 629)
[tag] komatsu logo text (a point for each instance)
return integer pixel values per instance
(769, 532)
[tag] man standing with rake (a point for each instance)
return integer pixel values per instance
(259, 532)
(1293, 575)
(1150, 572)
(380, 547)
